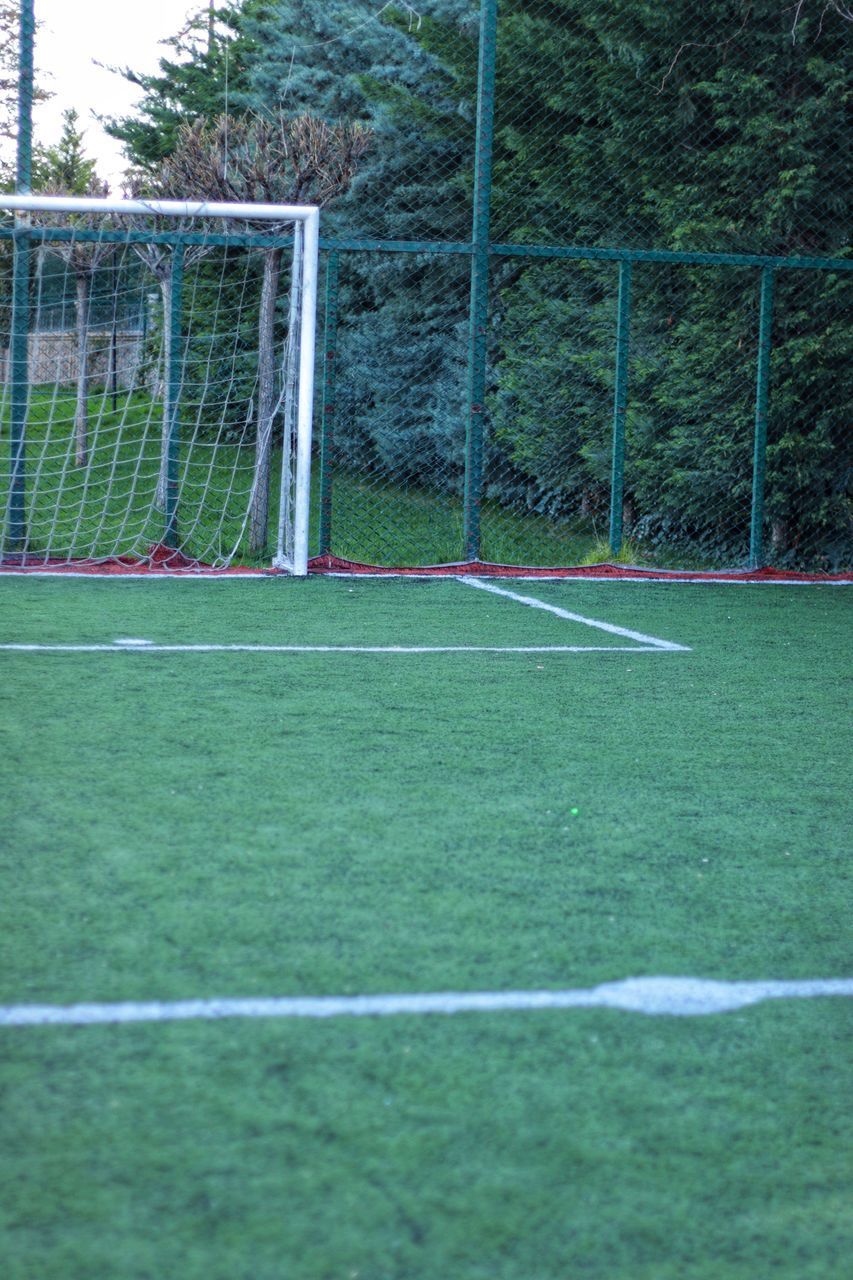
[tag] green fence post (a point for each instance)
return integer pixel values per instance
(173, 396)
(479, 304)
(19, 388)
(25, 98)
(328, 409)
(19, 336)
(620, 406)
(762, 387)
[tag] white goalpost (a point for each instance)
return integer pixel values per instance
(157, 393)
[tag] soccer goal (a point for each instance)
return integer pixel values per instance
(157, 364)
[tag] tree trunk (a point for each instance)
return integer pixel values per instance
(163, 392)
(81, 416)
(259, 516)
(779, 536)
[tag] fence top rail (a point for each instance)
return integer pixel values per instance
(347, 245)
(162, 208)
(358, 244)
(48, 235)
(667, 255)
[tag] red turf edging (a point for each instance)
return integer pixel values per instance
(167, 561)
(483, 569)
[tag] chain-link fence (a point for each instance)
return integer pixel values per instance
(587, 298)
(630, 340)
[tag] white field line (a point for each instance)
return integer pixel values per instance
(665, 645)
(146, 646)
(185, 575)
(676, 997)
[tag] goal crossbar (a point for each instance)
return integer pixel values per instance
(163, 208)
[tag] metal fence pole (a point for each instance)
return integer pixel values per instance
(479, 304)
(620, 406)
(174, 379)
(762, 388)
(25, 99)
(327, 413)
(19, 386)
(19, 336)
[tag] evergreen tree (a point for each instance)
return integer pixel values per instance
(9, 24)
(204, 76)
(10, 20)
(401, 353)
(64, 167)
(690, 126)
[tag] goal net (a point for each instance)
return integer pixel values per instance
(157, 366)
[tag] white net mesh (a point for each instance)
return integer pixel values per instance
(151, 389)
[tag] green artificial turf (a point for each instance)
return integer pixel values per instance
(184, 825)
(499, 1147)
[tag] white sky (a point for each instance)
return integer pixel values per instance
(77, 33)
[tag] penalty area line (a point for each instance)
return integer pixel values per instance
(653, 641)
(674, 997)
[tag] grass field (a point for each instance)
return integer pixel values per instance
(414, 787)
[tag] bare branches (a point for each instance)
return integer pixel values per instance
(81, 256)
(712, 44)
(844, 9)
(260, 159)
(841, 7)
(158, 257)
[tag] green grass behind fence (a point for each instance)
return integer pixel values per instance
(108, 506)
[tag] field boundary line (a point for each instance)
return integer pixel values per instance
(149, 647)
(674, 997)
(664, 645)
